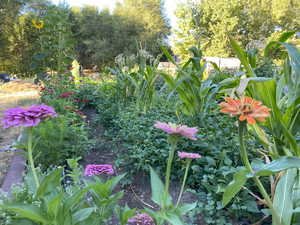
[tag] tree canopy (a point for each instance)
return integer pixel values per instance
(210, 22)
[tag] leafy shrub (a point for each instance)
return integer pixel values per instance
(57, 139)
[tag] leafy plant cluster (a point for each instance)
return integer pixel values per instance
(81, 201)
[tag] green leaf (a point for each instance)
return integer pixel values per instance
(54, 205)
(283, 163)
(50, 183)
(283, 198)
(239, 179)
(183, 209)
(30, 212)
(173, 218)
(159, 196)
(274, 45)
(167, 54)
(242, 55)
(83, 214)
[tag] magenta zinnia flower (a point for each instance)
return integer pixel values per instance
(66, 95)
(141, 219)
(27, 117)
(185, 155)
(94, 169)
(183, 130)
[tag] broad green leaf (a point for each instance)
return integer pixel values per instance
(183, 209)
(168, 55)
(283, 163)
(239, 179)
(50, 183)
(283, 199)
(274, 45)
(173, 218)
(242, 55)
(158, 190)
(293, 78)
(54, 205)
(30, 212)
(82, 214)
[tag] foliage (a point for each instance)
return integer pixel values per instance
(279, 136)
(195, 94)
(136, 77)
(150, 14)
(132, 25)
(52, 203)
(58, 139)
(210, 22)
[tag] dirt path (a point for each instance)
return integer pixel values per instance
(13, 94)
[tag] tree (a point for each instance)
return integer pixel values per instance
(150, 14)
(210, 22)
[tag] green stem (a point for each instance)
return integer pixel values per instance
(245, 159)
(183, 182)
(173, 143)
(30, 157)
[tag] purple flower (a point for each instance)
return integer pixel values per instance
(27, 117)
(185, 155)
(93, 169)
(141, 219)
(183, 130)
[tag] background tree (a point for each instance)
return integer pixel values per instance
(150, 14)
(210, 22)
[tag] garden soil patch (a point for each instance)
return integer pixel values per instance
(13, 94)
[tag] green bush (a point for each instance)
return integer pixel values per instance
(57, 139)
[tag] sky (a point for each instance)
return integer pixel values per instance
(170, 6)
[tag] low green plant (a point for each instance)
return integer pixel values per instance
(58, 139)
(51, 203)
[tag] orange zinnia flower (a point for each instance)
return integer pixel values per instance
(246, 108)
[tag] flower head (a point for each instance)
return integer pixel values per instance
(93, 169)
(141, 219)
(245, 108)
(27, 117)
(185, 155)
(38, 24)
(66, 95)
(183, 130)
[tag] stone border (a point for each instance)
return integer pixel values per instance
(15, 172)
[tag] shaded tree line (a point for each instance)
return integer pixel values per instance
(37, 35)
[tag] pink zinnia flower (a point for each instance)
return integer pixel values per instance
(183, 130)
(27, 117)
(185, 155)
(141, 219)
(94, 169)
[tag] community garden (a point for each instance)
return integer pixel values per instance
(130, 143)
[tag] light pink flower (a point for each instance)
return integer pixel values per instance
(183, 130)
(93, 169)
(185, 155)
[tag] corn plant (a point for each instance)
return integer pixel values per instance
(280, 133)
(194, 93)
(136, 78)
